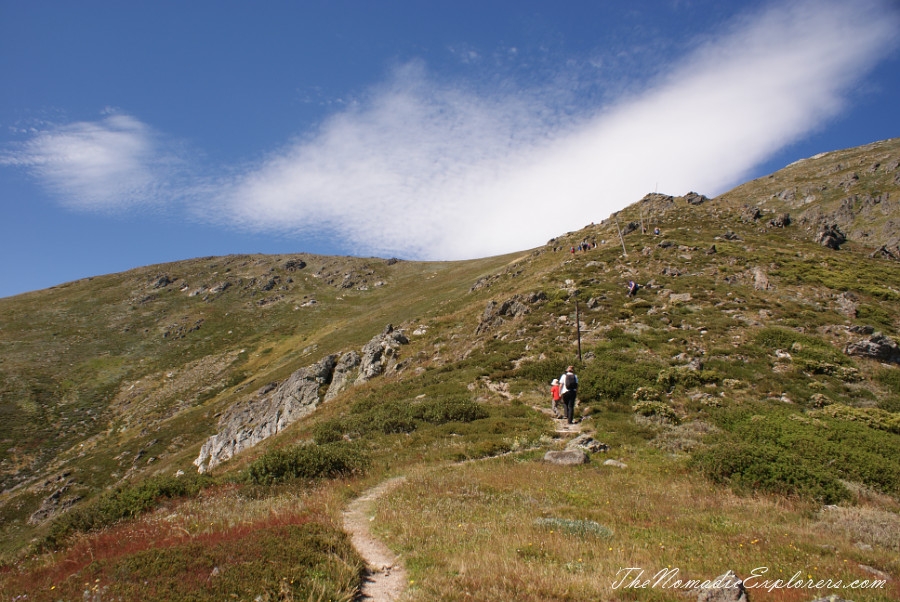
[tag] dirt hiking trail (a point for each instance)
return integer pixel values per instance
(385, 578)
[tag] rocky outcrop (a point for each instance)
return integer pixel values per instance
(343, 374)
(379, 353)
(694, 198)
(877, 347)
(270, 411)
(495, 312)
(782, 220)
(831, 237)
(276, 406)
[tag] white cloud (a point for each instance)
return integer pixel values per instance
(432, 170)
(108, 165)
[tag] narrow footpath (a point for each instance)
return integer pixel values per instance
(385, 578)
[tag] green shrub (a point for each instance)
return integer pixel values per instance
(327, 461)
(890, 378)
(801, 346)
(844, 373)
(829, 449)
(124, 502)
(656, 409)
(328, 432)
(686, 377)
(451, 409)
(872, 417)
(646, 394)
(760, 467)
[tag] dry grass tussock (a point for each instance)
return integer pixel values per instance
(864, 525)
(518, 529)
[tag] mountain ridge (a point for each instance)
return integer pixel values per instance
(110, 382)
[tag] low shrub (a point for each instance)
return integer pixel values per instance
(872, 417)
(328, 432)
(646, 394)
(124, 502)
(820, 448)
(758, 467)
(442, 411)
(687, 377)
(327, 461)
(655, 409)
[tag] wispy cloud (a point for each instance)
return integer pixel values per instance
(110, 165)
(432, 170)
(427, 168)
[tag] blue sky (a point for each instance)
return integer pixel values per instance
(135, 133)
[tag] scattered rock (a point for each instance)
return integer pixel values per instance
(729, 235)
(162, 282)
(567, 457)
(760, 279)
(615, 463)
(880, 574)
(782, 220)
(831, 237)
(694, 198)
(883, 253)
(877, 347)
(712, 250)
(630, 227)
(56, 503)
(292, 265)
(848, 304)
(679, 297)
(750, 214)
(494, 312)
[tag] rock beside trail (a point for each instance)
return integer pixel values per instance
(727, 587)
(587, 443)
(276, 406)
(567, 457)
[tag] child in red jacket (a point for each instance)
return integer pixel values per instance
(554, 393)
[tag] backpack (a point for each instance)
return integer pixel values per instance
(571, 382)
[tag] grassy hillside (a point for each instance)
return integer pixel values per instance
(750, 438)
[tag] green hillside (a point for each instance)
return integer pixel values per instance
(733, 390)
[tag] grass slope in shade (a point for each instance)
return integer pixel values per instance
(750, 437)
